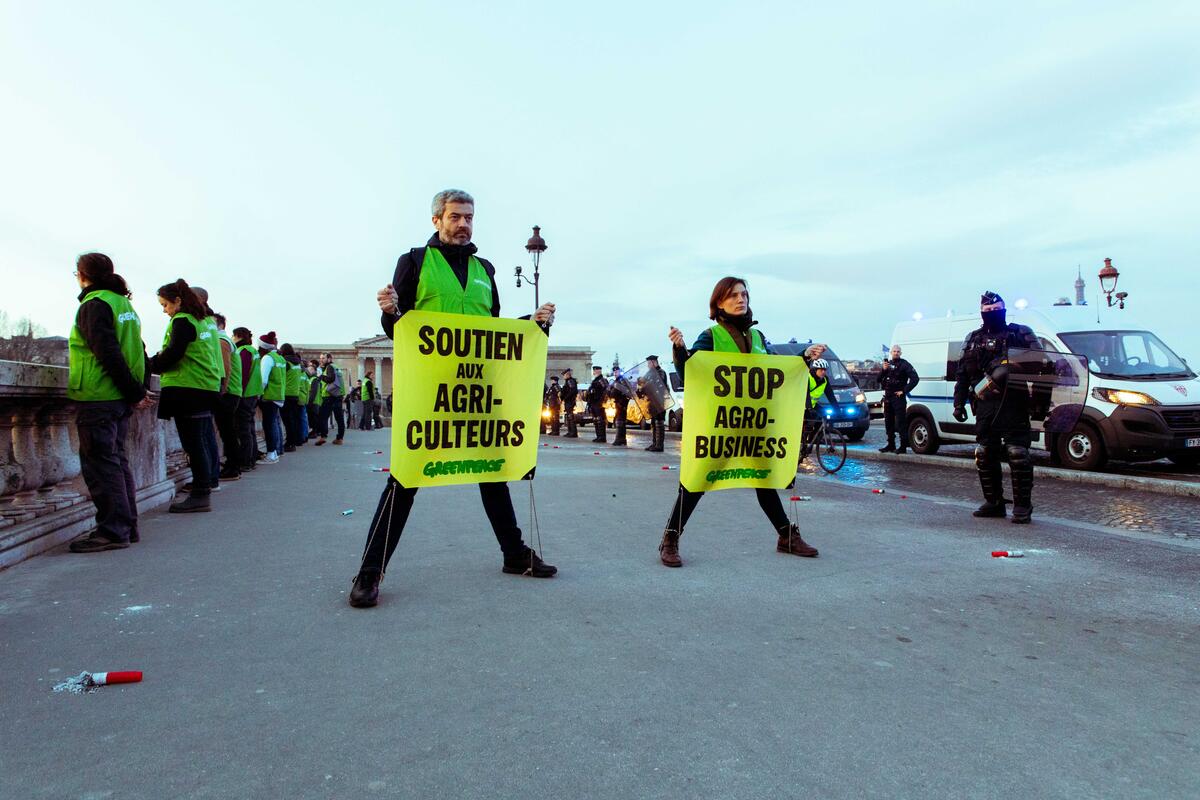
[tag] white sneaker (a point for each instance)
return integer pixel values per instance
(272, 458)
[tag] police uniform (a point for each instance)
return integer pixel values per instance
(570, 391)
(595, 400)
(621, 407)
(658, 412)
(897, 376)
(1001, 416)
(552, 402)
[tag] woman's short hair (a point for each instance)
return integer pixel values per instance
(723, 289)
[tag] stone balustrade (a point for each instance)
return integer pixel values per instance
(43, 501)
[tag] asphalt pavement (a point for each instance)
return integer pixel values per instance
(905, 662)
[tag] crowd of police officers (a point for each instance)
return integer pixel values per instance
(559, 403)
(213, 383)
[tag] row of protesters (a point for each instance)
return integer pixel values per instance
(211, 381)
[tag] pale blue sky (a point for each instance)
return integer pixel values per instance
(856, 164)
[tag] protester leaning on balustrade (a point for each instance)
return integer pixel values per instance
(227, 405)
(190, 366)
(107, 369)
(274, 379)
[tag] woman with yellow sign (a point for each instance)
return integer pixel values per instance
(733, 332)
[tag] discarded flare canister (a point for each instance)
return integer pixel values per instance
(800, 498)
(1008, 554)
(347, 512)
(878, 491)
(108, 678)
(381, 469)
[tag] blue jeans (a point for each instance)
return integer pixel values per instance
(272, 428)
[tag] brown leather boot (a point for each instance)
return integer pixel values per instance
(790, 542)
(668, 549)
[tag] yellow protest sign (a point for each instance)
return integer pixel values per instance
(467, 398)
(743, 422)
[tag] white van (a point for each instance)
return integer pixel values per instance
(1143, 400)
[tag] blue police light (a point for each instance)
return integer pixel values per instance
(829, 412)
(851, 412)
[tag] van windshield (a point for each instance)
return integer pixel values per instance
(1133, 355)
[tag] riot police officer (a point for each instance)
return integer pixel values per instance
(595, 402)
(553, 403)
(1001, 411)
(619, 390)
(658, 411)
(570, 391)
(897, 379)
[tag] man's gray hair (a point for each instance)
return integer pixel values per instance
(449, 196)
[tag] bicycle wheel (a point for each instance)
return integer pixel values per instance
(831, 450)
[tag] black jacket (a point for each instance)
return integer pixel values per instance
(982, 351)
(596, 392)
(551, 397)
(570, 390)
(94, 319)
(898, 376)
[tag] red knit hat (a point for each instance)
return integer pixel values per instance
(268, 341)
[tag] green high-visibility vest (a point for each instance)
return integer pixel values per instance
(235, 366)
(200, 367)
(305, 386)
(368, 388)
(291, 386)
(724, 343)
(438, 288)
(320, 388)
(277, 380)
(86, 379)
(254, 385)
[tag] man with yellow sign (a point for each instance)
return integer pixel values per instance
(464, 416)
(744, 420)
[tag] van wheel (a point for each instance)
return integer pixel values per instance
(922, 436)
(1082, 448)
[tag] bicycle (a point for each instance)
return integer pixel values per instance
(829, 445)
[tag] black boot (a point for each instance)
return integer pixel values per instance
(364, 593)
(658, 436)
(991, 479)
(601, 435)
(528, 563)
(1021, 465)
(891, 448)
(619, 437)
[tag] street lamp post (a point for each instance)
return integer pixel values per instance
(1108, 283)
(535, 246)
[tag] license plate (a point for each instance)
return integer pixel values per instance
(1192, 443)
(851, 425)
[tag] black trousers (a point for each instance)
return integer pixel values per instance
(333, 405)
(392, 513)
(686, 502)
(103, 427)
(199, 440)
(226, 416)
(364, 416)
(291, 422)
(375, 413)
(555, 420)
(247, 447)
(895, 418)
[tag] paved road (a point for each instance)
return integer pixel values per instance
(904, 663)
